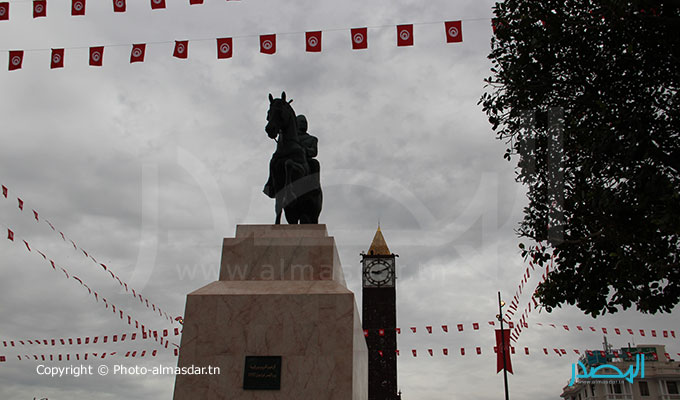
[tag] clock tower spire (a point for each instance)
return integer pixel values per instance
(379, 318)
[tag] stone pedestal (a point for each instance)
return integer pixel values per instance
(281, 293)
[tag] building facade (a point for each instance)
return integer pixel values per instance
(659, 378)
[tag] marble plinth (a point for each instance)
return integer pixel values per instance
(281, 293)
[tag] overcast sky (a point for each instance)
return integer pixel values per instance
(148, 166)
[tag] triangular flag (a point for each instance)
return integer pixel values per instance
(181, 49)
(475, 326)
(460, 327)
(225, 48)
(268, 44)
(430, 351)
(10, 235)
(445, 328)
(39, 8)
(405, 35)
(157, 4)
(429, 329)
(4, 191)
(445, 351)
(313, 40)
(359, 38)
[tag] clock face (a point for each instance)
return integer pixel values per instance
(378, 272)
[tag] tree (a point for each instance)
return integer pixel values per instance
(585, 94)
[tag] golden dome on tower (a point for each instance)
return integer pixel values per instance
(379, 246)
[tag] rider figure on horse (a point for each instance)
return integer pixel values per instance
(293, 172)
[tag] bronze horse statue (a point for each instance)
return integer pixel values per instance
(293, 173)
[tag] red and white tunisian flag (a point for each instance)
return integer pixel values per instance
(97, 56)
(119, 6)
(225, 48)
(268, 44)
(454, 31)
(4, 11)
(156, 4)
(78, 7)
(503, 342)
(359, 38)
(57, 60)
(405, 35)
(181, 49)
(137, 53)
(16, 57)
(313, 41)
(39, 8)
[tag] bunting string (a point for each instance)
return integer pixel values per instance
(358, 38)
(14, 238)
(79, 7)
(84, 356)
(92, 340)
(513, 308)
(478, 350)
(431, 352)
(128, 289)
(430, 329)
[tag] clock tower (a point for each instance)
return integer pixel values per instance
(379, 316)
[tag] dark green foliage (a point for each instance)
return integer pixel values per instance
(585, 93)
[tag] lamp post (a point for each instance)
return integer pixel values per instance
(505, 370)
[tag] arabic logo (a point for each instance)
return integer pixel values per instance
(628, 375)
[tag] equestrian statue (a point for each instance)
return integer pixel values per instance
(294, 179)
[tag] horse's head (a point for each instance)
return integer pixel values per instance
(279, 116)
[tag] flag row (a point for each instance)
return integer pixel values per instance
(87, 340)
(428, 328)
(78, 7)
(117, 311)
(84, 356)
(104, 267)
(463, 351)
(526, 351)
(578, 328)
(642, 332)
(225, 46)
